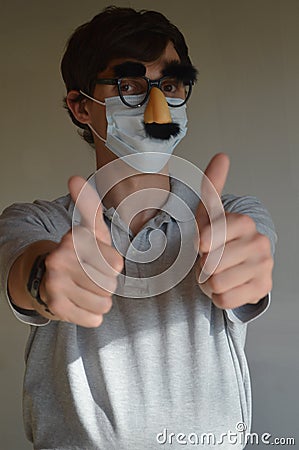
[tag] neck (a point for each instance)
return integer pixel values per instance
(137, 196)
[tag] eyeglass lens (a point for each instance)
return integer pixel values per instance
(172, 88)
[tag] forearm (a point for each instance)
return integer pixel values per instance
(20, 271)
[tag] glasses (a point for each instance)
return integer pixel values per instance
(176, 91)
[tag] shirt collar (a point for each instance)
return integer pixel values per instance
(180, 205)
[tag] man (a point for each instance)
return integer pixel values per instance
(123, 362)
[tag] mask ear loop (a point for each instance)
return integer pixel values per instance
(100, 103)
(100, 137)
(91, 98)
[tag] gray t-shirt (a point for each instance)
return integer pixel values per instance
(162, 371)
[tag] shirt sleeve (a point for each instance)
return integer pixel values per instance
(22, 224)
(252, 207)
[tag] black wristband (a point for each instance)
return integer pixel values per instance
(35, 278)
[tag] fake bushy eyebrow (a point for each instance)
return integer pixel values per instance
(183, 72)
(129, 69)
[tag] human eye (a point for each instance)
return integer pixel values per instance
(132, 86)
(171, 86)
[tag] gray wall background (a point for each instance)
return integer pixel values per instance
(245, 103)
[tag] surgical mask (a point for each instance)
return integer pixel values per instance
(126, 134)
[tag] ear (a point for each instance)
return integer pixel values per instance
(78, 107)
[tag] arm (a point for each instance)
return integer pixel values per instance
(23, 228)
(67, 293)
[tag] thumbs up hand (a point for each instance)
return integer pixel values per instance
(70, 294)
(244, 272)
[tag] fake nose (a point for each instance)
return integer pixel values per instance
(157, 109)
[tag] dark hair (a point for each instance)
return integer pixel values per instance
(115, 32)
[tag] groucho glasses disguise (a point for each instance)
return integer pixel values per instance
(176, 91)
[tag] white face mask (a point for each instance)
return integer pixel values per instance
(126, 134)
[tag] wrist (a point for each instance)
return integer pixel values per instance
(19, 275)
(35, 281)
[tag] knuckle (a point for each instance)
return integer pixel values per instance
(100, 231)
(52, 260)
(268, 264)
(246, 222)
(204, 240)
(118, 263)
(67, 240)
(56, 260)
(54, 308)
(57, 308)
(263, 244)
(112, 284)
(94, 321)
(111, 260)
(215, 284)
(221, 301)
(106, 284)
(203, 260)
(53, 286)
(106, 305)
(266, 286)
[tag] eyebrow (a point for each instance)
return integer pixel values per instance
(129, 69)
(183, 72)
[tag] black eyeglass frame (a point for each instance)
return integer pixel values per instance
(150, 84)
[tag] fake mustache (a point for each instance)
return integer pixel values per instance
(162, 131)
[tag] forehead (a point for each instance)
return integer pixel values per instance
(169, 55)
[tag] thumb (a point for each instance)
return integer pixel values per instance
(210, 208)
(88, 202)
(217, 171)
(212, 185)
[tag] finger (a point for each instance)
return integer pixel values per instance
(235, 276)
(212, 185)
(211, 208)
(237, 226)
(89, 301)
(239, 296)
(88, 202)
(217, 171)
(65, 310)
(99, 255)
(94, 280)
(106, 283)
(233, 254)
(238, 248)
(73, 314)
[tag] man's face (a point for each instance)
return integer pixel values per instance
(153, 71)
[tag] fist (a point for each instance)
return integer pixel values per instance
(235, 258)
(70, 294)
